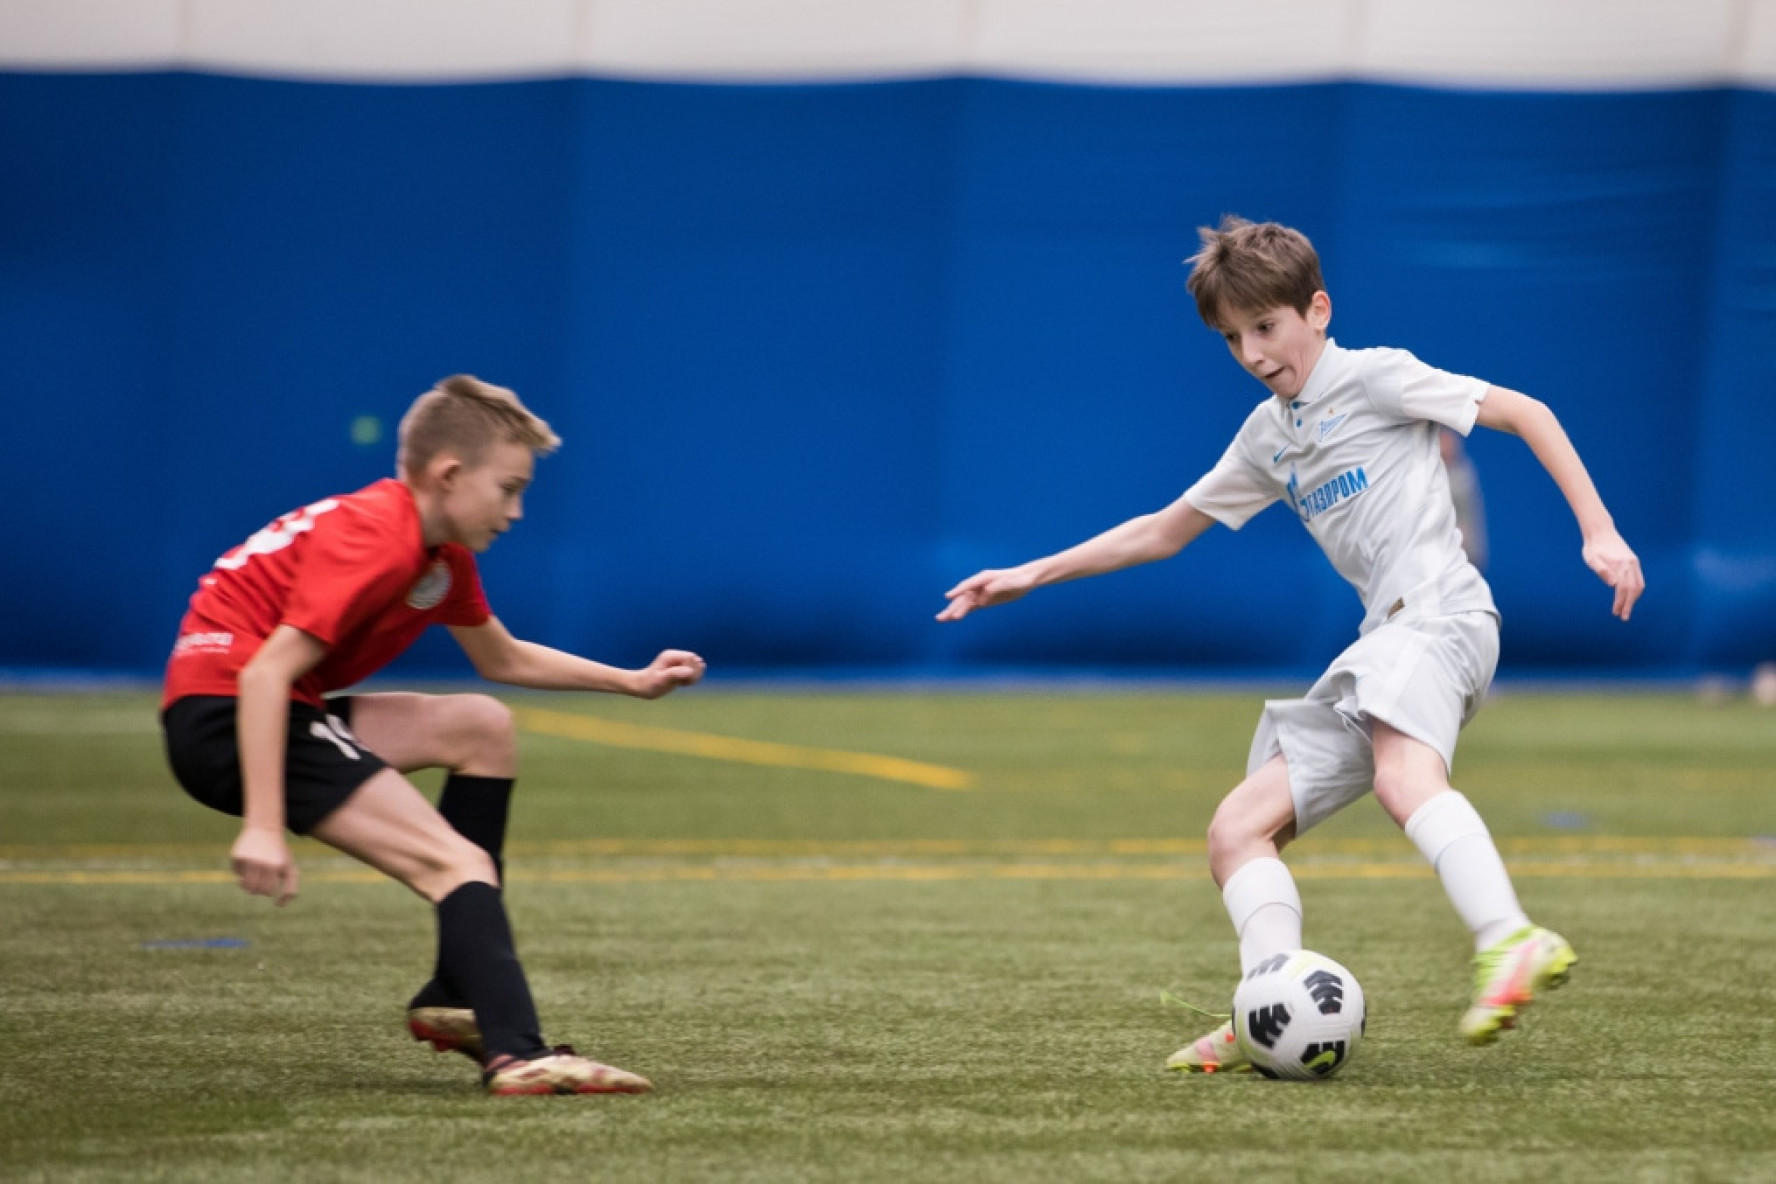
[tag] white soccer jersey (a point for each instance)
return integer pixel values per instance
(1355, 456)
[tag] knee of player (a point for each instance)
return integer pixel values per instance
(1398, 787)
(1229, 828)
(489, 730)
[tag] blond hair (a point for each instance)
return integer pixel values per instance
(1251, 266)
(463, 415)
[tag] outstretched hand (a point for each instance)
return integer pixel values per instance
(262, 862)
(1616, 565)
(985, 590)
(666, 673)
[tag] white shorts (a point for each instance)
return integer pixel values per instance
(1424, 677)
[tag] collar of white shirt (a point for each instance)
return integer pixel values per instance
(1326, 370)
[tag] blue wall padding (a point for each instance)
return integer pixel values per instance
(818, 352)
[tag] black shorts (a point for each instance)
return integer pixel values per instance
(323, 762)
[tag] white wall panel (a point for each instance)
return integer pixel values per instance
(773, 40)
(90, 34)
(1530, 44)
(1535, 43)
(431, 40)
(1754, 62)
(1153, 42)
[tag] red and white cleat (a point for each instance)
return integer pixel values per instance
(447, 1029)
(560, 1072)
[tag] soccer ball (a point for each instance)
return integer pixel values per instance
(1298, 1015)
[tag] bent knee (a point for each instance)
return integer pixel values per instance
(1255, 814)
(485, 735)
(1231, 829)
(1389, 787)
(487, 718)
(1400, 790)
(1235, 828)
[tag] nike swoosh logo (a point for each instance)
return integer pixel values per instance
(1278, 456)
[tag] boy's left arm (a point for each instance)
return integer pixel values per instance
(1605, 551)
(500, 657)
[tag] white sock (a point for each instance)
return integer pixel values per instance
(1265, 906)
(1449, 832)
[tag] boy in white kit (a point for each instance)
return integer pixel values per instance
(1349, 441)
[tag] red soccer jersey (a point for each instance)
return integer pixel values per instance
(351, 571)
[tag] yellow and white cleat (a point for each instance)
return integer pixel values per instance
(1216, 1052)
(1507, 977)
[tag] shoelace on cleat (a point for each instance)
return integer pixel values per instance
(1167, 998)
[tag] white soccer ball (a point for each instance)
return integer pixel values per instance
(1298, 1015)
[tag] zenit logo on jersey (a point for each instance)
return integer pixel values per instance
(1321, 498)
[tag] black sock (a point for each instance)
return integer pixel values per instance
(476, 952)
(476, 807)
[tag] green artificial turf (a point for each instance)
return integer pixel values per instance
(835, 976)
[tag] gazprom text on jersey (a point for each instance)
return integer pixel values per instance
(1318, 500)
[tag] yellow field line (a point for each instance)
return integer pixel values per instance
(730, 748)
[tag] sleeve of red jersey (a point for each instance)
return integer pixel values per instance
(352, 567)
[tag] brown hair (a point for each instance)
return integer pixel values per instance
(464, 415)
(1251, 266)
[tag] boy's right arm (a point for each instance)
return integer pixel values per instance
(1604, 550)
(1145, 539)
(261, 856)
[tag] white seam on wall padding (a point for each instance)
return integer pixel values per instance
(1509, 44)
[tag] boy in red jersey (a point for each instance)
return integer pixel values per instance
(318, 601)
